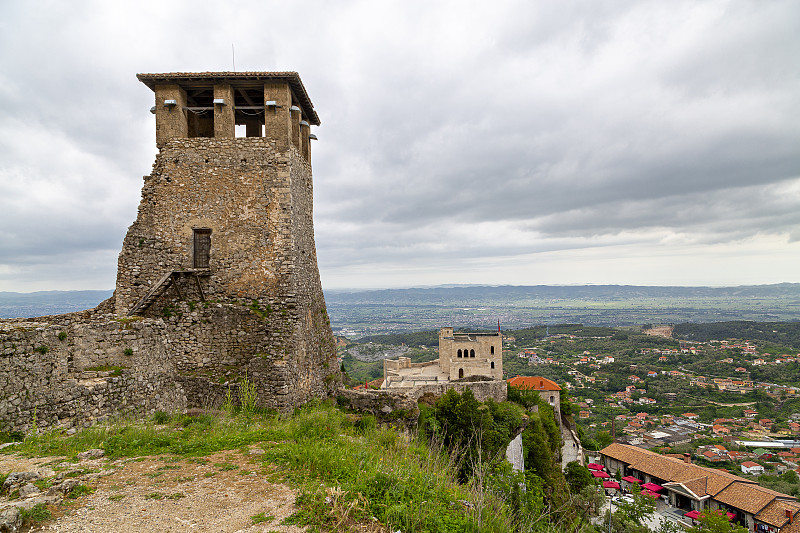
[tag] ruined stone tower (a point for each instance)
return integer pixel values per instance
(225, 223)
(217, 278)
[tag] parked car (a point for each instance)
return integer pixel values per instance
(622, 499)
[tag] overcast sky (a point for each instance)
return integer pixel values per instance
(530, 142)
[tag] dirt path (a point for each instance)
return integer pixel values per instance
(224, 492)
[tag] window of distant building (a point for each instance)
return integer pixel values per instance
(472, 353)
(491, 350)
(459, 353)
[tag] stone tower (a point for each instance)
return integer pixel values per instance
(223, 245)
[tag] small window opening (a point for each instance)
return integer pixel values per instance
(491, 350)
(472, 353)
(552, 399)
(492, 364)
(202, 247)
(460, 373)
(459, 353)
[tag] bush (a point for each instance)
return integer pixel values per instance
(474, 432)
(37, 513)
(578, 476)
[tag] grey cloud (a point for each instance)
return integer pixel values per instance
(561, 125)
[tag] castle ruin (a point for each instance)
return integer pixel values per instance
(217, 278)
(466, 360)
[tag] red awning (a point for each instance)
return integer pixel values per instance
(631, 479)
(594, 466)
(600, 474)
(652, 486)
(647, 492)
(610, 485)
(692, 514)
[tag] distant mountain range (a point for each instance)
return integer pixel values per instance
(370, 312)
(33, 304)
(471, 293)
(392, 310)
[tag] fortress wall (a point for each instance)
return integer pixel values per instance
(188, 359)
(483, 390)
(48, 370)
(313, 367)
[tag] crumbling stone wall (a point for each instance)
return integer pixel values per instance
(71, 370)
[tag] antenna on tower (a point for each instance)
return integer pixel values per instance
(233, 57)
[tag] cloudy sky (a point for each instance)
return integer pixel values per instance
(504, 142)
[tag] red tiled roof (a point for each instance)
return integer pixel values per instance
(533, 383)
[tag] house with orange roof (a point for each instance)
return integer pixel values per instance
(691, 487)
(548, 390)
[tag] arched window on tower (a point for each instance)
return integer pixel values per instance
(491, 350)
(459, 353)
(492, 364)
(460, 373)
(472, 353)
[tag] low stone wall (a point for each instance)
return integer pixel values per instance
(386, 406)
(71, 370)
(483, 390)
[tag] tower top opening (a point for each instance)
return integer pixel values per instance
(275, 105)
(199, 87)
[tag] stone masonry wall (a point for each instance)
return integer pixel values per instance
(483, 390)
(71, 370)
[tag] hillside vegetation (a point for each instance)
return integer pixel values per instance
(351, 474)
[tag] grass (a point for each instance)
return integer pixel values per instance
(261, 517)
(37, 513)
(78, 491)
(346, 475)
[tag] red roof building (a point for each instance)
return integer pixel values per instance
(533, 383)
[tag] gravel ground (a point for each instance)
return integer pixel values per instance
(219, 493)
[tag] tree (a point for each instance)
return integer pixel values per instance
(716, 522)
(604, 438)
(578, 476)
(790, 476)
(643, 506)
(475, 432)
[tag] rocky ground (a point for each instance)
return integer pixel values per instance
(225, 492)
